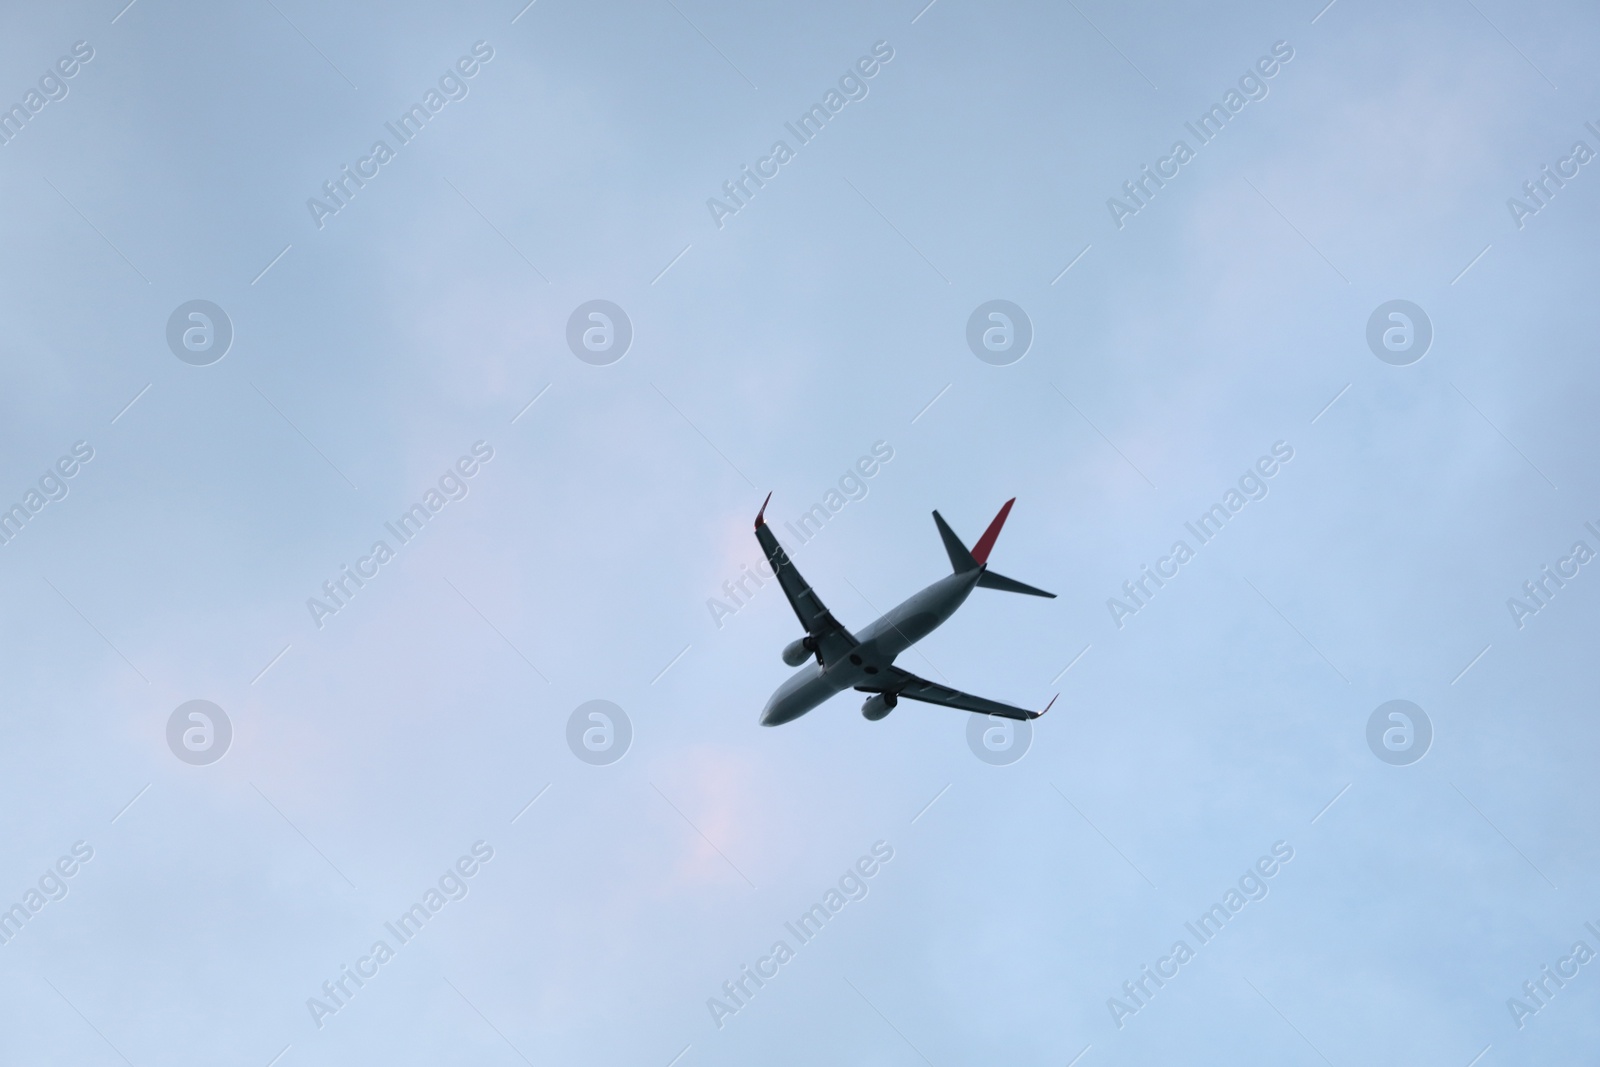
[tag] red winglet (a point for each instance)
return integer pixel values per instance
(761, 515)
(980, 551)
(1048, 706)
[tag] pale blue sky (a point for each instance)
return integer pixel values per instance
(770, 355)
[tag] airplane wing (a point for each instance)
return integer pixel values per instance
(905, 684)
(833, 640)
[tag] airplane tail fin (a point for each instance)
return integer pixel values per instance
(963, 560)
(985, 545)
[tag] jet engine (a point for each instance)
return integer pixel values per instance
(878, 705)
(798, 651)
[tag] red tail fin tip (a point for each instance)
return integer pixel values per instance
(985, 545)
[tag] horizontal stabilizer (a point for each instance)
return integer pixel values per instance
(960, 559)
(991, 580)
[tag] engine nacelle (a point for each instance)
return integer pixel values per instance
(798, 651)
(878, 705)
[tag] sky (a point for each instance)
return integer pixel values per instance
(402, 762)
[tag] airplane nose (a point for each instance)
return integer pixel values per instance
(793, 699)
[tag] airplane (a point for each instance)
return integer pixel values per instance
(865, 661)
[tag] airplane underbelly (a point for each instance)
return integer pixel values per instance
(908, 630)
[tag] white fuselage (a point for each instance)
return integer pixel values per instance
(880, 643)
